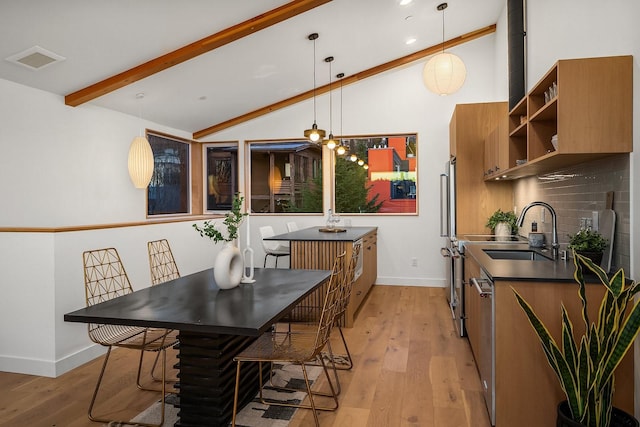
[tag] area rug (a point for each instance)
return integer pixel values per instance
(255, 414)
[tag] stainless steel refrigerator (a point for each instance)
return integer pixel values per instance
(450, 250)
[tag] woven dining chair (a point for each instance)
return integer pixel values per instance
(105, 278)
(297, 347)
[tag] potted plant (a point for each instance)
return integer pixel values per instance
(228, 267)
(585, 364)
(588, 243)
(502, 223)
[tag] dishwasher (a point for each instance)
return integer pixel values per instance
(487, 366)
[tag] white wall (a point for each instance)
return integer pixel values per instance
(64, 166)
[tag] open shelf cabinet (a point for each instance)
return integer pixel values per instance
(590, 110)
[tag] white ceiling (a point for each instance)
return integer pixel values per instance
(101, 38)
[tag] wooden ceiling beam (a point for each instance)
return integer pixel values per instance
(348, 80)
(192, 50)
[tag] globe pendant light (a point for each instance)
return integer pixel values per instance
(331, 142)
(341, 148)
(140, 161)
(314, 134)
(445, 72)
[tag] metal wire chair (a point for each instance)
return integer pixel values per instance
(299, 348)
(105, 278)
(161, 262)
(347, 286)
(163, 268)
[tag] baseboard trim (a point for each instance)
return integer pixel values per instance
(410, 281)
(49, 368)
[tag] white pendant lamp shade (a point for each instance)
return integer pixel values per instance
(444, 73)
(140, 162)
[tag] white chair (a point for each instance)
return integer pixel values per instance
(272, 247)
(292, 226)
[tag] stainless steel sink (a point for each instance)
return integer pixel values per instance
(512, 254)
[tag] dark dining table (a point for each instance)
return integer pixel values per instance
(214, 325)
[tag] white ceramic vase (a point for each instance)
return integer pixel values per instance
(228, 267)
(502, 231)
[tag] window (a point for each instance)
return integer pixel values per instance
(168, 192)
(377, 174)
(286, 176)
(221, 169)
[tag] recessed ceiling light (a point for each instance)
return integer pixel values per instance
(410, 40)
(35, 58)
(405, 2)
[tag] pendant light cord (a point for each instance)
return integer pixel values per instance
(330, 103)
(442, 30)
(314, 80)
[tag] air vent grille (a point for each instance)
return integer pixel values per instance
(35, 58)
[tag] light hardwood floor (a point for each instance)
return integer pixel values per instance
(410, 370)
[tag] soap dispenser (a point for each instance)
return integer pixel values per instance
(536, 240)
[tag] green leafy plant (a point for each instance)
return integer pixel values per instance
(232, 221)
(585, 364)
(500, 216)
(587, 241)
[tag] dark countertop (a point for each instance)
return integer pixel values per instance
(517, 270)
(351, 234)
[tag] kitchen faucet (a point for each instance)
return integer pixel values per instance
(554, 231)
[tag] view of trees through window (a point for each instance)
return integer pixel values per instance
(286, 176)
(168, 192)
(221, 163)
(377, 174)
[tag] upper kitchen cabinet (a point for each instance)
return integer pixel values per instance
(496, 150)
(476, 199)
(580, 110)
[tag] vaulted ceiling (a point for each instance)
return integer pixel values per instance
(204, 65)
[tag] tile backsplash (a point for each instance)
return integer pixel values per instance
(575, 193)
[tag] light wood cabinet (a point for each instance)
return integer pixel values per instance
(591, 112)
(496, 150)
(368, 277)
(476, 199)
(527, 391)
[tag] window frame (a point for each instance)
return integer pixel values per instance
(376, 136)
(248, 174)
(189, 174)
(205, 146)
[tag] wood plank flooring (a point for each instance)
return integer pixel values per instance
(410, 370)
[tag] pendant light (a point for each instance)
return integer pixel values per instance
(331, 142)
(445, 72)
(341, 148)
(314, 134)
(140, 161)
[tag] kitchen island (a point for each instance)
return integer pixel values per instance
(314, 249)
(512, 365)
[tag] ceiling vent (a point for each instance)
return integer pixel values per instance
(35, 58)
